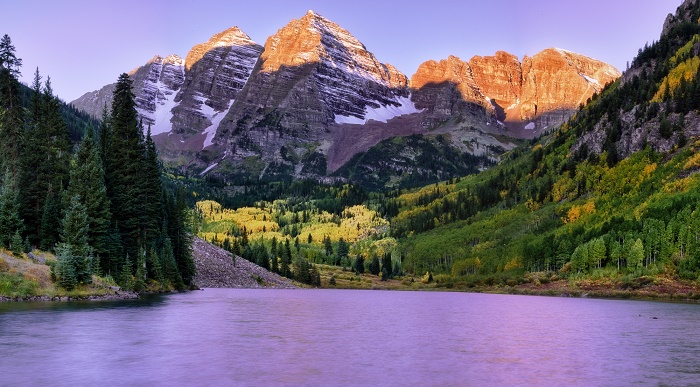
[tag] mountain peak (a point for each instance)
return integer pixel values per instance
(233, 36)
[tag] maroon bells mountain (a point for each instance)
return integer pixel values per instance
(313, 97)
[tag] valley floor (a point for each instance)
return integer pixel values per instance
(29, 279)
(641, 288)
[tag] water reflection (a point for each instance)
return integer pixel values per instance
(344, 337)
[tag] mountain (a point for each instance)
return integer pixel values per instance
(187, 97)
(607, 205)
(314, 98)
(541, 92)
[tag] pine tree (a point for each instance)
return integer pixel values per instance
(342, 251)
(65, 267)
(170, 266)
(151, 190)
(34, 189)
(75, 235)
(328, 246)
(386, 265)
(8, 60)
(49, 231)
(273, 255)
(359, 264)
(374, 265)
(115, 251)
(16, 244)
(10, 221)
(285, 260)
(55, 140)
(181, 236)
(140, 278)
(126, 273)
(11, 110)
(124, 165)
(87, 181)
(155, 269)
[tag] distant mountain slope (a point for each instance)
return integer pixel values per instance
(610, 201)
(314, 96)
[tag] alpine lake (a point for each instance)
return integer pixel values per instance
(349, 337)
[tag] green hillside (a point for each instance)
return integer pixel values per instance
(605, 203)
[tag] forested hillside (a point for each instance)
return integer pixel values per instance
(611, 196)
(99, 203)
(613, 192)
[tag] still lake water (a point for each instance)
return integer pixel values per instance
(346, 337)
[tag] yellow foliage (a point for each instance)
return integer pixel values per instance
(589, 207)
(562, 188)
(693, 162)
(680, 185)
(575, 212)
(532, 205)
(649, 169)
(672, 81)
(513, 264)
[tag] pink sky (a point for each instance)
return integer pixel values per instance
(85, 44)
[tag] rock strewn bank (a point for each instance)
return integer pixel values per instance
(216, 269)
(116, 296)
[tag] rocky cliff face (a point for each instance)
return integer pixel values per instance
(311, 76)
(187, 97)
(314, 96)
(312, 72)
(215, 72)
(526, 97)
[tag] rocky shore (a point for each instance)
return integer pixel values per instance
(216, 269)
(117, 295)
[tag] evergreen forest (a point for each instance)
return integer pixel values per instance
(90, 192)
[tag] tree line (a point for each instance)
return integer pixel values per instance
(100, 205)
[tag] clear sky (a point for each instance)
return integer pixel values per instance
(85, 44)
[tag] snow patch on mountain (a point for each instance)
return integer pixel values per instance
(589, 79)
(382, 113)
(215, 118)
(209, 168)
(157, 98)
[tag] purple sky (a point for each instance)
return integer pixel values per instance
(85, 44)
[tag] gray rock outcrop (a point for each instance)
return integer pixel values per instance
(216, 269)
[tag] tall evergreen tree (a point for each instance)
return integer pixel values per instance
(45, 156)
(34, 189)
(273, 255)
(374, 267)
(359, 264)
(11, 111)
(50, 228)
(87, 182)
(10, 221)
(123, 166)
(65, 267)
(8, 58)
(55, 140)
(75, 235)
(181, 235)
(386, 265)
(152, 191)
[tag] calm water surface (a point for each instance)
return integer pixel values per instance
(345, 337)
